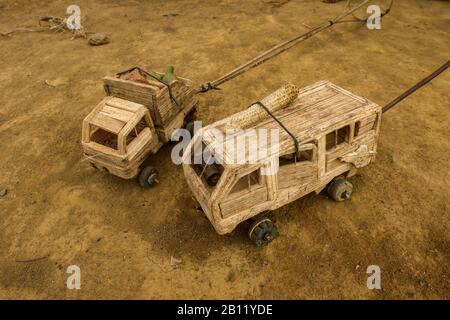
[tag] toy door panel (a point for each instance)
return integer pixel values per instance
(296, 175)
(248, 191)
(138, 140)
(296, 172)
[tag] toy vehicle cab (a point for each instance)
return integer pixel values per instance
(336, 131)
(135, 119)
(118, 135)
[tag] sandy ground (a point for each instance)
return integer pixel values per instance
(61, 210)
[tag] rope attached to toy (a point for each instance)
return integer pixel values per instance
(172, 97)
(294, 139)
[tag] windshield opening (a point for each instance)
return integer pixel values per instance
(104, 137)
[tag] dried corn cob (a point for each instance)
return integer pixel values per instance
(273, 102)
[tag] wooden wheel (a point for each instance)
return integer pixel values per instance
(340, 189)
(262, 231)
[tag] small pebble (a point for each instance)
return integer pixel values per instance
(98, 39)
(57, 82)
(174, 261)
(3, 192)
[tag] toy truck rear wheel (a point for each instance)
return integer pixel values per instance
(148, 177)
(212, 174)
(340, 189)
(262, 231)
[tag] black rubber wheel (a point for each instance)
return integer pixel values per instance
(262, 231)
(340, 189)
(148, 177)
(212, 174)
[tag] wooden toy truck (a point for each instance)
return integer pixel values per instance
(335, 133)
(138, 116)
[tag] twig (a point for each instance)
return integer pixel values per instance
(31, 260)
(55, 24)
(9, 33)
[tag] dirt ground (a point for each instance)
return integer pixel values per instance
(62, 212)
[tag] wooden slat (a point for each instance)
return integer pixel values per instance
(105, 122)
(234, 205)
(138, 143)
(116, 113)
(295, 174)
(155, 97)
(86, 129)
(123, 104)
(126, 84)
(319, 108)
(134, 121)
(97, 150)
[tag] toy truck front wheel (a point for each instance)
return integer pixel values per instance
(148, 177)
(262, 231)
(340, 189)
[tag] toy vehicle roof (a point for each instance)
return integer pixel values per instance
(319, 108)
(117, 115)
